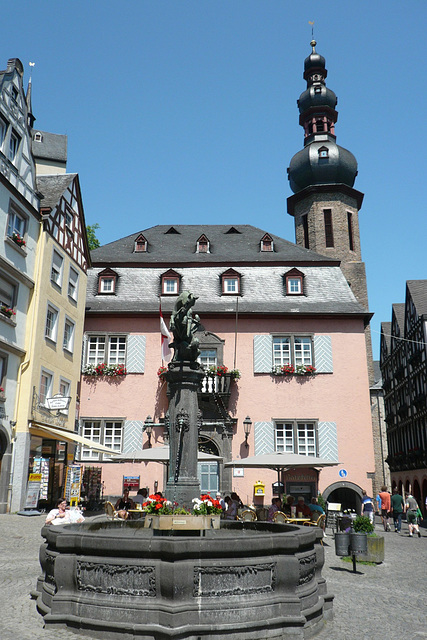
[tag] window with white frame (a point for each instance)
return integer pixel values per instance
(170, 286)
(73, 280)
(295, 350)
(91, 430)
(293, 280)
(45, 388)
(68, 342)
(105, 432)
(230, 282)
(64, 390)
(51, 329)
(298, 437)
(16, 222)
(106, 349)
(107, 280)
(57, 268)
(13, 145)
(69, 217)
(3, 130)
(107, 285)
(8, 292)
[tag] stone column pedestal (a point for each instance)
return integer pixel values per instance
(184, 380)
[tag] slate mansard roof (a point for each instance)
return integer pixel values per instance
(228, 243)
(138, 287)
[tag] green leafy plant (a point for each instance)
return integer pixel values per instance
(362, 524)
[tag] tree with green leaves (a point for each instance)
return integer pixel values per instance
(91, 236)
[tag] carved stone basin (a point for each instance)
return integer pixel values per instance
(245, 581)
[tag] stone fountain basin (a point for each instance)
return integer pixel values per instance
(244, 581)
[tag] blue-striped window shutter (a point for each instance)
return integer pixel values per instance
(135, 353)
(323, 354)
(264, 437)
(263, 354)
(328, 440)
(132, 435)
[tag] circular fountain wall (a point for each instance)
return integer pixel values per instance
(245, 581)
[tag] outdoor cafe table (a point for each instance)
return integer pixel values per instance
(298, 520)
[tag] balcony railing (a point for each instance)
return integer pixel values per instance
(216, 384)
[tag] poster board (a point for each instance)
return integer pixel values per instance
(41, 465)
(73, 483)
(33, 490)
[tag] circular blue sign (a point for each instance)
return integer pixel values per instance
(342, 473)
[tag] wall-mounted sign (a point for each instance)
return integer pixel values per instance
(343, 473)
(131, 483)
(57, 402)
(238, 472)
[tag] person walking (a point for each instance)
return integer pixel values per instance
(411, 515)
(397, 508)
(367, 506)
(385, 507)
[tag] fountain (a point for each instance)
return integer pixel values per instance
(244, 581)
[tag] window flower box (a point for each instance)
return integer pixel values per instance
(102, 369)
(219, 371)
(18, 239)
(7, 311)
(290, 370)
(161, 372)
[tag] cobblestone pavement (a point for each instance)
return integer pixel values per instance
(384, 601)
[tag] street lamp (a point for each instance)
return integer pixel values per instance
(148, 428)
(247, 424)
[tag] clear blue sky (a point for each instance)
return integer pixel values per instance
(184, 111)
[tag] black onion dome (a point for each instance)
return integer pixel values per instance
(308, 168)
(314, 61)
(319, 96)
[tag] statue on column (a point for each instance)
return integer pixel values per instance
(183, 325)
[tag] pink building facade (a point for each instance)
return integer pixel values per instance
(269, 320)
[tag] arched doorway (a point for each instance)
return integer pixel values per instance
(416, 492)
(5, 466)
(348, 494)
(208, 471)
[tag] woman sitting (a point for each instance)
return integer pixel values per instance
(123, 505)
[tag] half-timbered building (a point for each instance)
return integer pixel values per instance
(404, 372)
(19, 234)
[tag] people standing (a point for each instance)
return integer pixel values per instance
(385, 507)
(397, 508)
(367, 506)
(411, 515)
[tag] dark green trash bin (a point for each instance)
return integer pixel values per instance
(342, 544)
(358, 543)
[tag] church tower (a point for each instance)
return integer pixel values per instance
(325, 204)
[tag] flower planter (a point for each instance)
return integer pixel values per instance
(375, 552)
(182, 522)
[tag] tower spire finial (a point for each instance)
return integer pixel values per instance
(313, 41)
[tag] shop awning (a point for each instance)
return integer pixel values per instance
(44, 430)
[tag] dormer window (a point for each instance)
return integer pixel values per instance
(294, 281)
(202, 245)
(267, 243)
(38, 137)
(140, 244)
(230, 283)
(107, 281)
(170, 283)
(323, 152)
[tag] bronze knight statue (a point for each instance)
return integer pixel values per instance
(183, 326)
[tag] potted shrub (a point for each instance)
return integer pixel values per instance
(375, 552)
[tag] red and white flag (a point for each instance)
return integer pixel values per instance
(166, 338)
